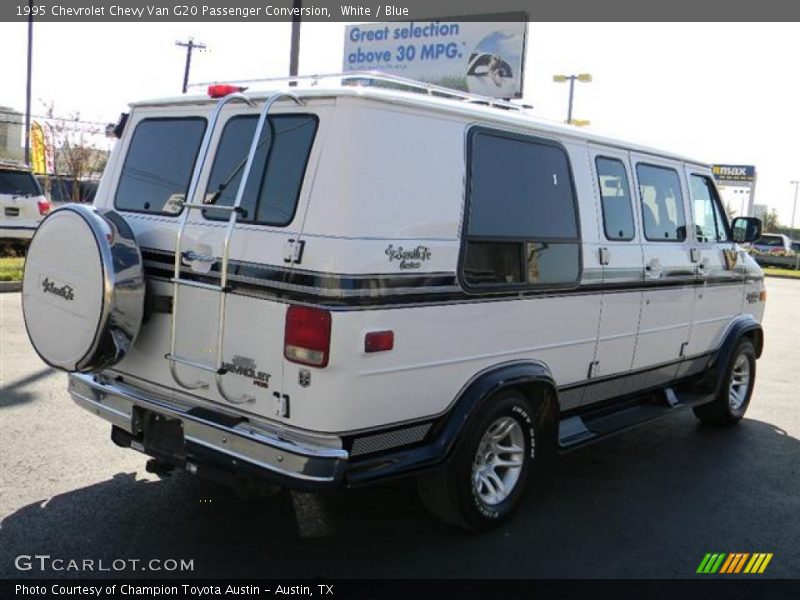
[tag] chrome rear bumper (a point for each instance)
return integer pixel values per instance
(230, 446)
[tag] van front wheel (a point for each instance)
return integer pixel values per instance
(484, 480)
(733, 398)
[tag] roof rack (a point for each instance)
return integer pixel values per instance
(376, 76)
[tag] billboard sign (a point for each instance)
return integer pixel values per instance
(478, 57)
(734, 175)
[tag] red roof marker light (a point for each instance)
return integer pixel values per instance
(218, 90)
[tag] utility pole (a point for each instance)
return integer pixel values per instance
(794, 210)
(190, 45)
(294, 50)
(28, 85)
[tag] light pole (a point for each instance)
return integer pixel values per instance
(794, 209)
(28, 85)
(583, 78)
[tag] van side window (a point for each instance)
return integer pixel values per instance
(158, 166)
(709, 221)
(617, 212)
(273, 188)
(522, 225)
(662, 203)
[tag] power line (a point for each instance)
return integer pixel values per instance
(46, 118)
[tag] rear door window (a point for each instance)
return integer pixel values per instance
(18, 183)
(157, 170)
(273, 187)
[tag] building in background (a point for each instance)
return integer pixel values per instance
(11, 125)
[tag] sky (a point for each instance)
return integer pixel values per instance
(721, 93)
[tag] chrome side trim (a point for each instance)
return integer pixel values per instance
(115, 403)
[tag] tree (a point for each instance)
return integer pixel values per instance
(75, 154)
(770, 221)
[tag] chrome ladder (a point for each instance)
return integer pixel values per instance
(217, 368)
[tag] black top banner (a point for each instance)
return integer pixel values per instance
(395, 10)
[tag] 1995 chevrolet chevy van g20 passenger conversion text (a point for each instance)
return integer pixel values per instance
(336, 285)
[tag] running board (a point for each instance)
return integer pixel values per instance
(595, 423)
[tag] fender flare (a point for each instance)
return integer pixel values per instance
(743, 327)
(449, 427)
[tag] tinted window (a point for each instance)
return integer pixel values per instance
(662, 203)
(520, 189)
(708, 219)
(273, 187)
(159, 164)
(616, 200)
(522, 222)
(18, 183)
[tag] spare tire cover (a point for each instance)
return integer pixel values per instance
(83, 289)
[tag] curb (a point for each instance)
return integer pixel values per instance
(10, 286)
(782, 277)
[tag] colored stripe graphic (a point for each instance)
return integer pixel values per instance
(711, 563)
(733, 563)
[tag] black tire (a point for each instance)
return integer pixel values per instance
(730, 404)
(450, 494)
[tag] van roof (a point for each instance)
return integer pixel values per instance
(501, 113)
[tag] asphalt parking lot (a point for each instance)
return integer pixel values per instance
(647, 503)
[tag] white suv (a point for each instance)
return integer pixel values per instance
(338, 285)
(22, 203)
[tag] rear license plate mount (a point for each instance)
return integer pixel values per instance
(162, 436)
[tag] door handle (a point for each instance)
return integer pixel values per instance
(604, 256)
(703, 267)
(199, 263)
(654, 268)
(190, 256)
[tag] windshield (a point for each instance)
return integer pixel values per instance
(18, 183)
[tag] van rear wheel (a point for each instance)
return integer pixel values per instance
(485, 479)
(734, 394)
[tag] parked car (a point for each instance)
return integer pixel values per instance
(22, 204)
(335, 286)
(59, 189)
(772, 242)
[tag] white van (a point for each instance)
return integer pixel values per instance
(332, 286)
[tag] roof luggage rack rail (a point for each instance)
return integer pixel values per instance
(376, 77)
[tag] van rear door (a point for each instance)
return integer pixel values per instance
(252, 321)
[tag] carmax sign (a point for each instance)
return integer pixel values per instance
(742, 175)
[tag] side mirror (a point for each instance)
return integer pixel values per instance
(746, 229)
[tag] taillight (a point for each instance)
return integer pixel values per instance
(44, 207)
(308, 336)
